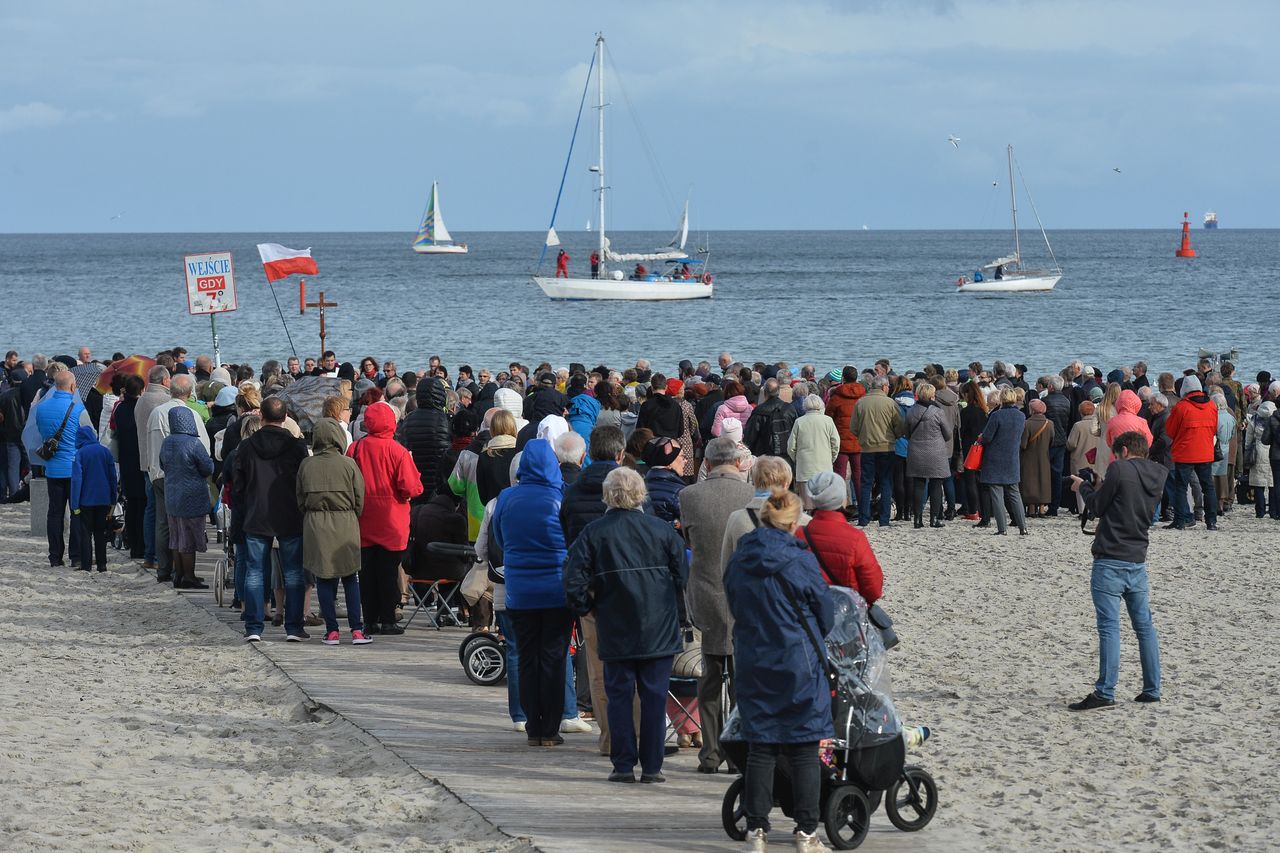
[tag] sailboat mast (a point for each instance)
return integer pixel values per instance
(1013, 205)
(600, 126)
(434, 190)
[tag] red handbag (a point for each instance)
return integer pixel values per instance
(973, 459)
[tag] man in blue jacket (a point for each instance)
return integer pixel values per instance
(93, 493)
(59, 414)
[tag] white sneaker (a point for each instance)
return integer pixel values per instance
(757, 841)
(806, 843)
(518, 727)
(574, 725)
(252, 638)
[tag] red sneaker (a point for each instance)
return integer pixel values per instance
(359, 639)
(330, 639)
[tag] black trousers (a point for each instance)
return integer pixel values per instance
(934, 486)
(93, 535)
(135, 514)
(806, 783)
(59, 499)
(542, 641)
(379, 584)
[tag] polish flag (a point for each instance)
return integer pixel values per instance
(281, 262)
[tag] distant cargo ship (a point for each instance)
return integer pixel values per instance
(1211, 220)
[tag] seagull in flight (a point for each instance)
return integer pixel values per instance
(954, 140)
(1116, 169)
(117, 216)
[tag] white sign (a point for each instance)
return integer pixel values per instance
(211, 284)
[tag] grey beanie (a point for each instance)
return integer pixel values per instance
(1190, 385)
(826, 490)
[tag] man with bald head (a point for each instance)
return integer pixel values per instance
(181, 388)
(58, 416)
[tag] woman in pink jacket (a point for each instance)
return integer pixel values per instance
(735, 405)
(1126, 419)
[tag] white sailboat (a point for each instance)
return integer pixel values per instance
(433, 237)
(1007, 275)
(623, 275)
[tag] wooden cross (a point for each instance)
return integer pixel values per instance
(321, 305)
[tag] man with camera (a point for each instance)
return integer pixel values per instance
(1124, 506)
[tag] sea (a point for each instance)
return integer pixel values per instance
(827, 297)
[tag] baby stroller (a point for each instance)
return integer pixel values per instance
(483, 654)
(224, 570)
(867, 759)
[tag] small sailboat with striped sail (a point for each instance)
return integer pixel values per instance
(433, 237)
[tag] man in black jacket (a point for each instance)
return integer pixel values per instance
(264, 486)
(1124, 506)
(428, 433)
(12, 419)
(659, 412)
(1058, 411)
(767, 430)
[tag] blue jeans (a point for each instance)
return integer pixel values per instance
(257, 550)
(513, 675)
(149, 524)
(10, 469)
(327, 593)
(1183, 473)
(876, 468)
(1112, 581)
(622, 680)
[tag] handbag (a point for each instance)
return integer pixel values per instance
(973, 459)
(1217, 450)
(49, 449)
(879, 618)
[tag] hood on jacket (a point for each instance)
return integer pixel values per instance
(539, 465)
(1128, 402)
(547, 401)
(584, 404)
(552, 427)
(327, 435)
(272, 441)
(182, 421)
(1152, 476)
(1266, 410)
(506, 398)
(849, 391)
(766, 551)
(431, 393)
(947, 397)
(380, 419)
(85, 436)
(1200, 400)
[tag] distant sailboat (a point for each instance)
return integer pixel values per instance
(433, 236)
(612, 279)
(1007, 275)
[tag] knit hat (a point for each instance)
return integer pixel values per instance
(1096, 393)
(1191, 385)
(827, 490)
(660, 451)
(674, 387)
(1116, 376)
(226, 397)
(835, 374)
(1037, 407)
(731, 428)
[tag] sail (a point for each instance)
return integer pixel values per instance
(682, 230)
(432, 229)
(658, 255)
(553, 239)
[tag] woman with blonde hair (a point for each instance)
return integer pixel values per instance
(1001, 470)
(782, 609)
(769, 474)
(1106, 410)
(929, 433)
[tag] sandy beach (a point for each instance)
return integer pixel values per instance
(135, 721)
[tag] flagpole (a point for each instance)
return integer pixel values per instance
(272, 288)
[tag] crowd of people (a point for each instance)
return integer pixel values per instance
(646, 514)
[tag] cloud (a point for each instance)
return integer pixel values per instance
(30, 116)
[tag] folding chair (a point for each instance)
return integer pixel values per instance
(682, 705)
(434, 582)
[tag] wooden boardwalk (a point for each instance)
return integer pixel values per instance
(411, 694)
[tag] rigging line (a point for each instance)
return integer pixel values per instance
(292, 348)
(1031, 199)
(656, 168)
(586, 84)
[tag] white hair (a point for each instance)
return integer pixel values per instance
(722, 451)
(813, 403)
(1161, 399)
(570, 448)
(624, 489)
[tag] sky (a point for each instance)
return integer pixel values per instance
(322, 116)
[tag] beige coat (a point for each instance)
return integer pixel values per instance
(814, 445)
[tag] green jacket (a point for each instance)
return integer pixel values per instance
(814, 445)
(331, 498)
(878, 423)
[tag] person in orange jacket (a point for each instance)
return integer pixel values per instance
(1193, 427)
(562, 264)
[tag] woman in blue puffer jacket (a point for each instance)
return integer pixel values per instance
(782, 610)
(1001, 470)
(186, 464)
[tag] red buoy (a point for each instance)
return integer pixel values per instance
(1185, 250)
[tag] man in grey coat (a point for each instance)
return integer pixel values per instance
(157, 394)
(705, 508)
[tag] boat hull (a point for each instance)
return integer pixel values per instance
(1012, 284)
(454, 249)
(602, 288)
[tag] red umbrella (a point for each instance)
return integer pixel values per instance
(134, 365)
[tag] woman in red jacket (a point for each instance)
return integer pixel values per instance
(843, 552)
(391, 480)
